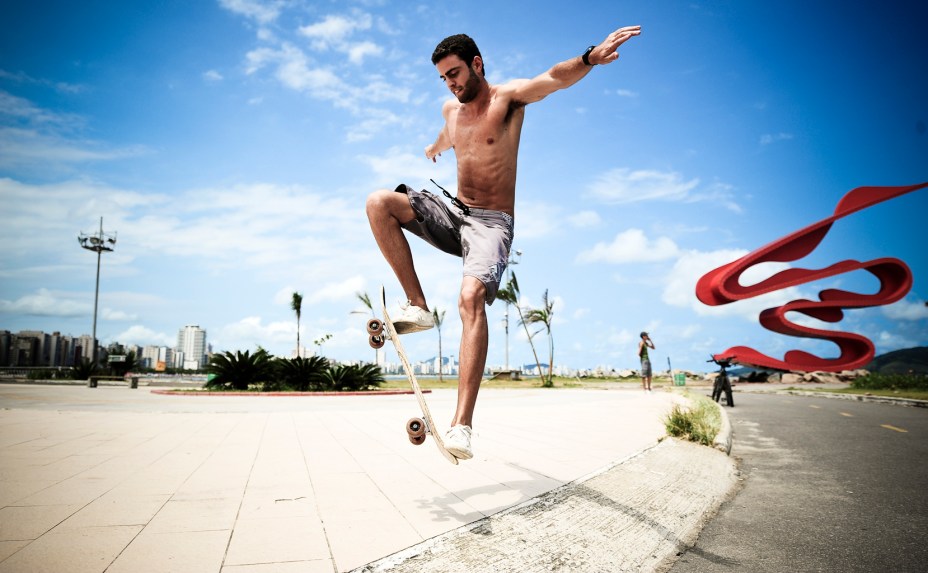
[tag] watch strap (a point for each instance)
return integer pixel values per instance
(586, 56)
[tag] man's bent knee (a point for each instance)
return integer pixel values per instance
(385, 202)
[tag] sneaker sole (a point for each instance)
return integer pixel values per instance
(460, 454)
(410, 328)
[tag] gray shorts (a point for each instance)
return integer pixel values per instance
(645, 368)
(482, 238)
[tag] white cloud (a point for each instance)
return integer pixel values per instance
(334, 32)
(47, 141)
(631, 246)
(536, 219)
(622, 185)
(212, 76)
(21, 148)
(143, 336)
(46, 303)
(250, 332)
(401, 166)
(260, 12)
(335, 29)
(357, 52)
(295, 70)
(906, 310)
(376, 121)
(116, 315)
(338, 291)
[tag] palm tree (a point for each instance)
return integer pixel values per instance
(297, 305)
(239, 370)
(439, 319)
(544, 315)
(510, 294)
(364, 298)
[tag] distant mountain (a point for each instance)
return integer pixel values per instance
(901, 361)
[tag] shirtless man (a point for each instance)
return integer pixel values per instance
(483, 125)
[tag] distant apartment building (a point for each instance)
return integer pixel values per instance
(6, 341)
(190, 353)
(157, 358)
(33, 348)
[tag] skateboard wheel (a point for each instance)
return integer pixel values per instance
(377, 341)
(415, 427)
(374, 326)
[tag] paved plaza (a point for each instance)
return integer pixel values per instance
(124, 480)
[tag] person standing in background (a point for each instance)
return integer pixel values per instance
(645, 361)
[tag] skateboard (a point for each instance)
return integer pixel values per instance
(416, 428)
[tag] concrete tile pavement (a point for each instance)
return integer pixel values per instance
(113, 479)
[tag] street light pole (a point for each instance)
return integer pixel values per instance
(98, 243)
(512, 261)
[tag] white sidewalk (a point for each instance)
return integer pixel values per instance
(119, 480)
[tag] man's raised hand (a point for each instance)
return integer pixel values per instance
(606, 52)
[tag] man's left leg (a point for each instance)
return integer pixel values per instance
(473, 359)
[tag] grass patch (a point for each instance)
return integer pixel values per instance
(699, 421)
(891, 382)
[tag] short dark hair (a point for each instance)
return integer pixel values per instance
(460, 45)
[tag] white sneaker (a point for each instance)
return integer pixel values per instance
(413, 319)
(457, 441)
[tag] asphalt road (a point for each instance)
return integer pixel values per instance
(828, 485)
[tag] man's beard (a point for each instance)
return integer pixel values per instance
(471, 88)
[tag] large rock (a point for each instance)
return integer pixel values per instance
(792, 378)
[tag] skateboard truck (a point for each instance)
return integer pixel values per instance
(375, 329)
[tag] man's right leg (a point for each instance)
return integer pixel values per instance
(387, 211)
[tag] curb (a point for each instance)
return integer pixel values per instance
(634, 515)
(722, 441)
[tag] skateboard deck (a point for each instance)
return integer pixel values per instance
(416, 428)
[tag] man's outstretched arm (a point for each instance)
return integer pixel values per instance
(443, 141)
(569, 72)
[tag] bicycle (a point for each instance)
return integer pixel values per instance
(722, 383)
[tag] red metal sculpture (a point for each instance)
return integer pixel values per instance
(722, 286)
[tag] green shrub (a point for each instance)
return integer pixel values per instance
(84, 370)
(699, 422)
(302, 374)
(875, 381)
(240, 370)
(351, 378)
(259, 371)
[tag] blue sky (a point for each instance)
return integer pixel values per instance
(231, 145)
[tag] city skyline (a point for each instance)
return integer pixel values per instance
(60, 350)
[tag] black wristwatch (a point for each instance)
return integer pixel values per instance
(586, 56)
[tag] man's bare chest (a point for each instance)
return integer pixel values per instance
(495, 128)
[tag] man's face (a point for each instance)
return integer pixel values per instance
(460, 79)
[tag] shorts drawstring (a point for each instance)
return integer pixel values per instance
(454, 200)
